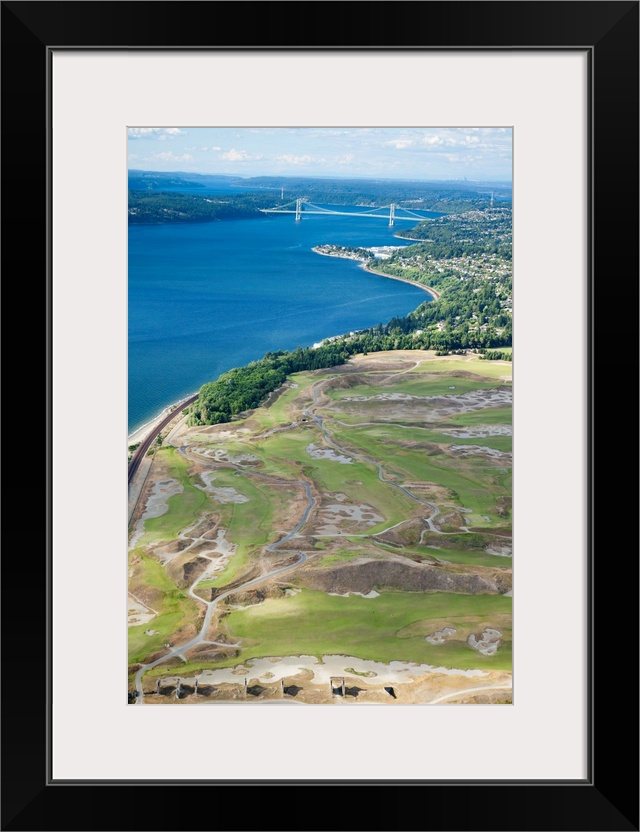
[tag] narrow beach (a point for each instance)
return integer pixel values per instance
(435, 295)
(141, 433)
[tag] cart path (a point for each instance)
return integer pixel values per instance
(211, 605)
(319, 420)
(179, 649)
(459, 693)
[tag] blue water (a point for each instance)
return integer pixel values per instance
(206, 297)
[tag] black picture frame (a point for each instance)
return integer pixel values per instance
(608, 798)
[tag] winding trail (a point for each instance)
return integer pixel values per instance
(458, 694)
(200, 638)
(180, 649)
(142, 603)
(320, 422)
(211, 605)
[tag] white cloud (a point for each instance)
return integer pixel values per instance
(455, 140)
(290, 159)
(239, 156)
(345, 160)
(160, 133)
(458, 158)
(400, 144)
(168, 156)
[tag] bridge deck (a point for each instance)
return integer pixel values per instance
(342, 214)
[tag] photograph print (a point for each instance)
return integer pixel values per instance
(319, 435)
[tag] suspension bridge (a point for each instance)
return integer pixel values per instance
(300, 207)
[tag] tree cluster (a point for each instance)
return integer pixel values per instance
(154, 207)
(245, 388)
(468, 262)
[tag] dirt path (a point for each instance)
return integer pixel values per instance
(187, 451)
(320, 422)
(459, 693)
(180, 649)
(211, 605)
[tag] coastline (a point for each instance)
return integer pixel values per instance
(141, 433)
(434, 294)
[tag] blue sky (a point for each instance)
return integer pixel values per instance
(429, 153)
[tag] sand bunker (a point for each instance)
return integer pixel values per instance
(382, 397)
(157, 504)
(479, 450)
(289, 666)
(219, 553)
(228, 434)
(372, 594)
(220, 455)
(391, 407)
(480, 431)
(475, 399)
(488, 642)
(332, 517)
(138, 613)
(220, 494)
(501, 551)
(441, 636)
(327, 453)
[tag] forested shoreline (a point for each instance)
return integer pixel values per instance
(466, 258)
(151, 208)
(154, 198)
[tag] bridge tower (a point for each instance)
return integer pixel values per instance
(492, 200)
(392, 214)
(298, 209)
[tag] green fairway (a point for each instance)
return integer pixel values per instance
(416, 386)
(182, 509)
(268, 464)
(175, 609)
(317, 624)
(382, 445)
(472, 557)
(248, 525)
(184, 669)
(490, 369)
(501, 415)
(344, 555)
(358, 480)
(475, 480)
(278, 412)
(370, 437)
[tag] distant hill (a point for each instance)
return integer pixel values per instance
(180, 196)
(154, 207)
(149, 180)
(443, 197)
